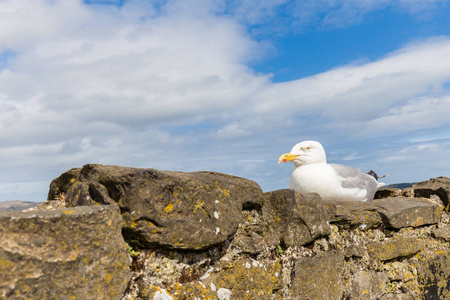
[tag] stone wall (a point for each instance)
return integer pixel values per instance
(70, 253)
(206, 235)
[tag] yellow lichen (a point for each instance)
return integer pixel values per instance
(6, 263)
(169, 208)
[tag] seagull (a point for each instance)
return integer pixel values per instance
(312, 174)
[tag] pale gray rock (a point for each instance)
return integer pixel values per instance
(368, 285)
(319, 277)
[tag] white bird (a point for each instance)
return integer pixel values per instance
(312, 174)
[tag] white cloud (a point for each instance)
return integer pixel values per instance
(230, 131)
(172, 68)
(373, 98)
(99, 84)
(418, 114)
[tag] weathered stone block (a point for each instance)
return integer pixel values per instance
(163, 208)
(434, 276)
(254, 239)
(352, 214)
(319, 277)
(395, 247)
(439, 186)
(368, 285)
(76, 253)
(298, 219)
(442, 232)
(400, 212)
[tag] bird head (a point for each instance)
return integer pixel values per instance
(307, 152)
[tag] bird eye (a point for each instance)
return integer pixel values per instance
(308, 148)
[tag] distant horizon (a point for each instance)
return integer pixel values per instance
(225, 86)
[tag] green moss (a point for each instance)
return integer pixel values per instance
(132, 252)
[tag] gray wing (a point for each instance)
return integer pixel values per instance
(354, 178)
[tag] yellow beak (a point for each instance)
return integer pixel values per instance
(286, 157)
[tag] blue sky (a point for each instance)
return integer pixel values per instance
(223, 86)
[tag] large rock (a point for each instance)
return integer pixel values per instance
(439, 186)
(400, 212)
(319, 277)
(76, 253)
(395, 247)
(353, 214)
(297, 219)
(434, 276)
(163, 208)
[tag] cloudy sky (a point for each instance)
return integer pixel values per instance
(222, 85)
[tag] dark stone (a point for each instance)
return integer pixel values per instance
(439, 186)
(434, 276)
(353, 214)
(59, 186)
(71, 253)
(163, 208)
(400, 212)
(387, 192)
(297, 219)
(255, 238)
(319, 277)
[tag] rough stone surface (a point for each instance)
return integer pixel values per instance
(439, 186)
(163, 208)
(368, 285)
(353, 214)
(206, 235)
(394, 248)
(399, 212)
(254, 235)
(442, 232)
(434, 276)
(313, 282)
(387, 193)
(247, 278)
(240, 278)
(298, 219)
(76, 253)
